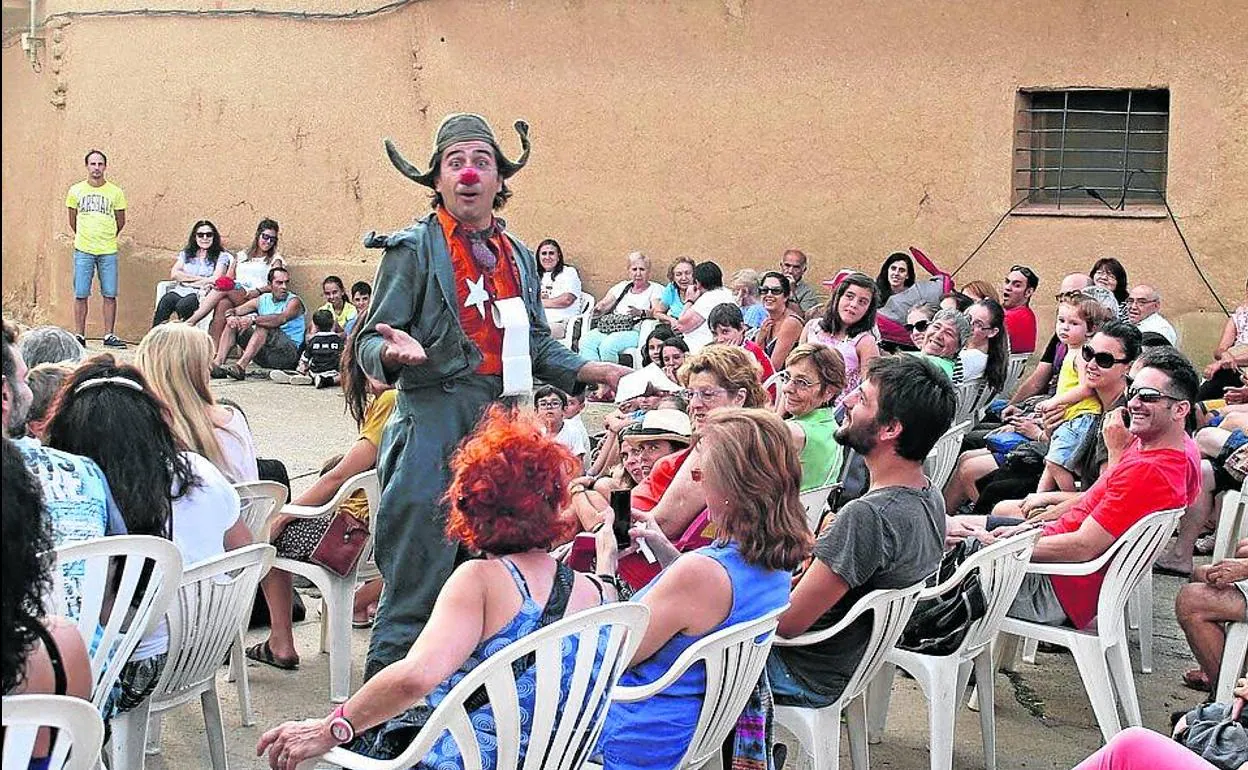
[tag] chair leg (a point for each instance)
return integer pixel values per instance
(942, 707)
(129, 738)
(1094, 670)
(984, 679)
(880, 692)
(238, 675)
(856, 717)
(336, 614)
(215, 729)
(826, 746)
(155, 723)
(1234, 655)
(1029, 650)
(1141, 603)
(1124, 683)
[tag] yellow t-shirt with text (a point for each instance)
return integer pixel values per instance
(375, 418)
(348, 312)
(97, 207)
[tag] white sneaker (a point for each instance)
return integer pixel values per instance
(277, 375)
(300, 379)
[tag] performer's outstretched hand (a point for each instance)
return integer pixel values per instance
(601, 373)
(401, 349)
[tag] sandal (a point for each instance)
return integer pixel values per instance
(261, 653)
(1195, 679)
(1161, 569)
(361, 623)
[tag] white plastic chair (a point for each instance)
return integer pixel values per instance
(1101, 650)
(944, 678)
(564, 737)
(734, 658)
(130, 615)
(1014, 371)
(337, 591)
(215, 597)
(818, 731)
(643, 331)
(944, 455)
(164, 287)
(80, 731)
(815, 501)
(257, 502)
(579, 323)
(1232, 526)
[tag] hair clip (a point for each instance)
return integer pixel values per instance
(101, 381)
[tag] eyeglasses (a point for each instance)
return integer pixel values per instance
(777, 290)
(706, 394)
(801, 383)
(205, 234)
(267, 237)
(1103, 360)
(1148, 395)
(550, 404)
(980, 325)
(918, 326)
(1134, 301)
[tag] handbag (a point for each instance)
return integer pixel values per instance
(1217, 738)
(1237, 463)
(341, 545)
(939, 624)
(611, 322)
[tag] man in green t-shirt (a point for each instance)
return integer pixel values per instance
(97, 212)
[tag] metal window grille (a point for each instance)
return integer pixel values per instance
(1075, 147)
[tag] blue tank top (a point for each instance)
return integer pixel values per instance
(266, 305)
(655, 733)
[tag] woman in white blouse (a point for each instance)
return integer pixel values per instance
(630, 299)
(249, 272)
(561, 287)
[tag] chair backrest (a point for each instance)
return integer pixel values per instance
(578, 325)
(1014, 371)
(968, 399)
(113, 622)
(734, 658)
(1232, 523)
(79, 731)
(815, 501)
(944, 455)
(891, 609)
(560, 738)
(1001, 568)
(257, 502)
(1133, 557)
(209, 608)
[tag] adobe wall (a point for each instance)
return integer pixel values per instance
(720, 129)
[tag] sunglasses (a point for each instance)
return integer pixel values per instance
(1027, 271)
(1148, 395)
(776, 290)
(1069, 296)
(918, 326)
(1103, 360)
(205, 234)
(267, 237)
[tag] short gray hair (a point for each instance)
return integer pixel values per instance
(49, 345)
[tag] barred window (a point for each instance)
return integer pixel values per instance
(1092, 146)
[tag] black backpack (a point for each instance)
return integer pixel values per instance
(939, 624)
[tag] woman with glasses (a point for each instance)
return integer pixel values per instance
(782, 328)
(1110, 274)
(986, 354)
(249, 278)
(812, 380)
(195, 270)
(917, 322)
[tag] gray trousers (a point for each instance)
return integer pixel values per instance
(412, 551)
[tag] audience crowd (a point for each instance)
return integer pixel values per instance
(747, 395)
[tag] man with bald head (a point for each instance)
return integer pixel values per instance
(1144, 310)
(1041, 379)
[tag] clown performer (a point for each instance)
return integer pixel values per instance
(456, 323)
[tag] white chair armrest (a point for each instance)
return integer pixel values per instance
(814, 637)
(959, 575)
(1067, 568)
(304, 511)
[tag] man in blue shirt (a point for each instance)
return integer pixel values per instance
(268, 328)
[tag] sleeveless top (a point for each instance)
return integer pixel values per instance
(392, 737)
(1240, 317)
(655, 733)
(61, 687)
(266, 305)
(254, 273)
(1068, 378)
(821, 454)
(848, 348)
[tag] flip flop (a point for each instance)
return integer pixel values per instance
(1195, 679)
(361, 623)
(261, 653)
(1162, 569)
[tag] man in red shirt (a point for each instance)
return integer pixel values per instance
(1159, 469)
(1020, 321)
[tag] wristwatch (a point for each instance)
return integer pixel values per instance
(340, 727)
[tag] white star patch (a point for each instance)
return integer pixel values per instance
(477, 295)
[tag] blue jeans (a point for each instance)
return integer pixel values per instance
(85, 266)
(788, 690)
(596, 346)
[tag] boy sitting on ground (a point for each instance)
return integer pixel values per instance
(318, 365)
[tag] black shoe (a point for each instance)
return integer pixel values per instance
(236, 372)
(113, 341)
(81, 340)
(218, 373)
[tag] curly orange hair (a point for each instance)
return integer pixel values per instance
(509, 483)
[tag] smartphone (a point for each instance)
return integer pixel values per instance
(622, 507)
(1126, 418)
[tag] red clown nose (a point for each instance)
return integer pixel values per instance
(469, 176)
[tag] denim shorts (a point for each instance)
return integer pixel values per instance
(85, 266)
(1067, 439)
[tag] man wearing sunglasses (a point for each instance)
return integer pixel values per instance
(1020, 320)
(1155, 468)
(1144, 310)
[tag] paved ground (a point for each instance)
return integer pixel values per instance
(1043, 716)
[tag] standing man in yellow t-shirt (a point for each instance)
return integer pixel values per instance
(97, 212)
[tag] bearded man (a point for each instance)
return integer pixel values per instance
(456, 323)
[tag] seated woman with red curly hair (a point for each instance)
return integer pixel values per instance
(485, 605)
